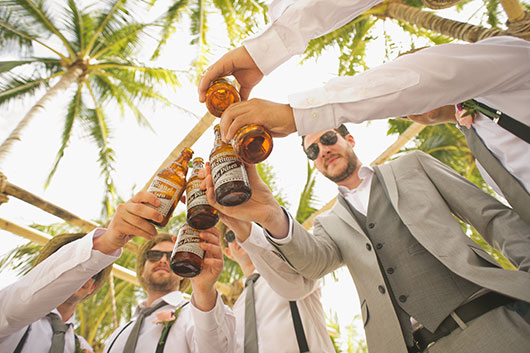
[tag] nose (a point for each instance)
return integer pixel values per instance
(165, 257)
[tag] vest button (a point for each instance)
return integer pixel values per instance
(381, 289)
(379, 246)
(402, 298)
(390, 270)
(371, 225)
(368, 247)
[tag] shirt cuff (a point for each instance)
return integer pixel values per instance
(267, 50)
(256, 238)
(209, 320)
(289, 235)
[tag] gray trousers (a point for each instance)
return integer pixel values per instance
(500, 330)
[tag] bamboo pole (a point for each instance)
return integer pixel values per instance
(408, 134)
(188, 141)
(86, 226)
(514, 10)
(42, 238)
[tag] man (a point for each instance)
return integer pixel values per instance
(287, 318)
(29, 313)
(424, 286)
(494, 71)
(202, 324)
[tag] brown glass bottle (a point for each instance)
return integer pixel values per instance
(231, 185)
(186, 259)
(220, 95)
(253, 143)
(169, 185)
(200, 215)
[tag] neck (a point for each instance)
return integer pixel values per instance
(154, 295)
(66, 310)
(247, 268)
(352, 181)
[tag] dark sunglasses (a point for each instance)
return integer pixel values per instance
(230, 236)
(156, 255)
(328, 139)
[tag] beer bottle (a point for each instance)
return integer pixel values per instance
(200, 215)
(231, 185)
(186, 259)
(169, 184)
(252, 143)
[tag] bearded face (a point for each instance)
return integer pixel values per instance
(158, 275)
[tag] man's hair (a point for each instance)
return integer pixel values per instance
(342, 130)
(142, 257)
(58, 242)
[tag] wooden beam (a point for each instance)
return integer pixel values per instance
(188, 141)
(86, 226)
(42, 238)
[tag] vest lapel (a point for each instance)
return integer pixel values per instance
(342, 209)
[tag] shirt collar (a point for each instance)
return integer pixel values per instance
(174, 299)
(365, 172)
(70, 321)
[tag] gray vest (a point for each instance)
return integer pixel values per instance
(419, 285)
(513, 190)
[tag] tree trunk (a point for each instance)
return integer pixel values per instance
(68, 78)
(454, 29)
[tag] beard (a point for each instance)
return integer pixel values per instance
(159, 283)
(349, 169)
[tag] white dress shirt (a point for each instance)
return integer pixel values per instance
(494, 71)
(46, 286)
(194, 330)
(272, 291)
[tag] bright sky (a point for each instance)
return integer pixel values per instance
(139, 151)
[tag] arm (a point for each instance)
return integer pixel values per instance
(279, 275)
(54, 280)
(416, 83)
(499, 225)
(51, 282)
(295, 23)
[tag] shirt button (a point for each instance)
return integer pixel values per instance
(371, 225)
(314, 115)
(379, 246)
(390, 270)
(368, 247)
(310, 100)
(381, 289)
(402, 298)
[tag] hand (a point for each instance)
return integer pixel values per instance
(238, 63)
(465, 118)
(240, 228)
(130, 220)
(275, 117)
(261, 208)
(204, 293)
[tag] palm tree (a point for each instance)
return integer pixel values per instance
(90, 50)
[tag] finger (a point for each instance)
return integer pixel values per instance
(244, 92)
(227, 119)
(133, 229)
(145, 197)
(223, 67)
(143, 211)
(183, 199)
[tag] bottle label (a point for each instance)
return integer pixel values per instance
(194, 195)
(226, 167)
(188, 240)
(166, 191)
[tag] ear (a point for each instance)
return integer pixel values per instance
(228, 253)
(349, 138)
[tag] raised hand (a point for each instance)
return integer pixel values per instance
(465, 118)
(238, 63)
(130, 220)
(275, 117)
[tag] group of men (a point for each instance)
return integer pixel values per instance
(423, 284)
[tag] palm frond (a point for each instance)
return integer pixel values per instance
(266, 172)
(12, 41)
(74, 110)
(18, 87)
(307, 197)
(21, 258)
(168, 23)
(122, 43)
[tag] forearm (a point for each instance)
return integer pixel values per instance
(50, 283)
(295, 23)
(416, 83)
(214, 329)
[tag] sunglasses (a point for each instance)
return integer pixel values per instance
(230, 236)
(328, 139)
(156, 255)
